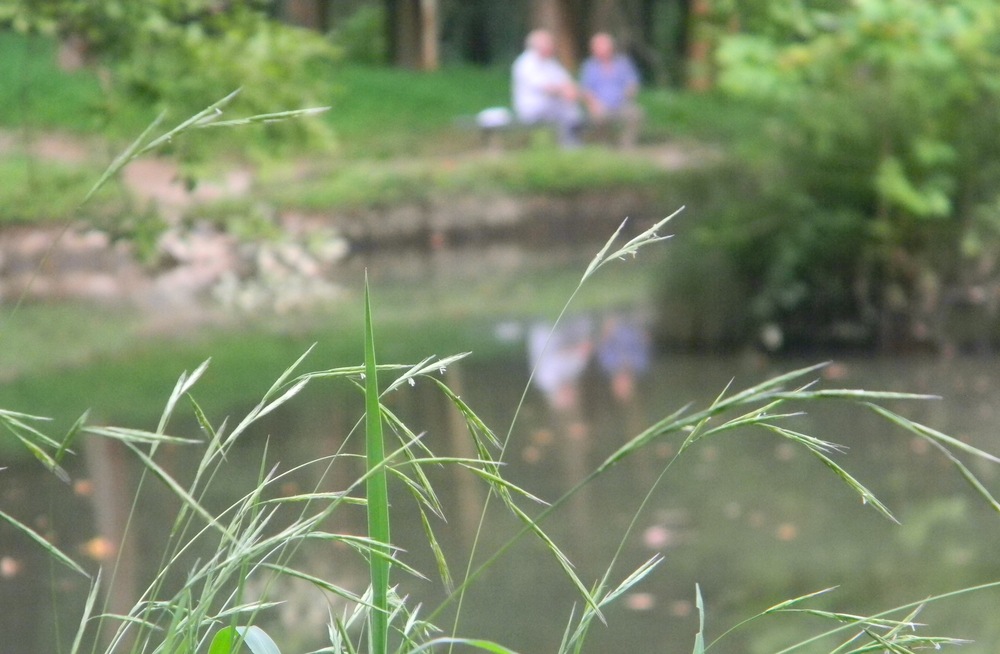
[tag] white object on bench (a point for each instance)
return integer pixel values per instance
(495, 118)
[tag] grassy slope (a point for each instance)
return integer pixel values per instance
(35, 94)
(381, 116)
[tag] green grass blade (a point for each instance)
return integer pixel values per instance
(275, 117)
(699, 638)
(44, 458)
(377, 493)
(266, 405)
(183, 385)
(139, 436)
(257, 640)
(969, 477)
(87, 610)
(442, 563)
(483, 645)
(179, 490)
(130, 153)
(561, 558)
(867, 497)
(53, 551)
(932, 435)
(70, 436)
(224, 641)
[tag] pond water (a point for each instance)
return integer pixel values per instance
(750, 518)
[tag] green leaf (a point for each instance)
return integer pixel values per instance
(699, 638)
(257, 640)
(224, 641)
(377, 492)
(55, 552)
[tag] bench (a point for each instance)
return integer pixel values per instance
(495, 123)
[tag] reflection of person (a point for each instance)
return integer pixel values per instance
(559, 356)
(609, 82)
(623, 354)
(543, 91)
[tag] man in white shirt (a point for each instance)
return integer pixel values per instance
(543, 91)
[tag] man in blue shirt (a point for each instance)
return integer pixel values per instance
(609, 83)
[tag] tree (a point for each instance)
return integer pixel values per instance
(186, 54)
(892, 135)
(414, 33)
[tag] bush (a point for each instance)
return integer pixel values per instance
(885, 136)
(184, 56)
(361, 37)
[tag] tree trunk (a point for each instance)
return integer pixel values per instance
(700, 74)
(306, 13)
(429, 35)
(562, 18)
(413, 33)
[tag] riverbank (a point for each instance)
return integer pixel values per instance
(239, 235)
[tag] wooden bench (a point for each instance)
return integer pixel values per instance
(496, 125)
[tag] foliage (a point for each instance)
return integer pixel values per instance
(36, 94)
(523, 172)
(184, 55)
(361, 36)
(254, 541)
(45, 193)
(885, 136)
(219, 562)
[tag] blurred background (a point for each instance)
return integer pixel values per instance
(837, 161)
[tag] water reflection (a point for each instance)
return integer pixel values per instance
(111, 491)
(750, 519)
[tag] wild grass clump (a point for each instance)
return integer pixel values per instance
(253, 541)
(221, 561)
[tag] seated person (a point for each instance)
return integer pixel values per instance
(543, 91)
(609, 82)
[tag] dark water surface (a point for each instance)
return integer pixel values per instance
(750, 518)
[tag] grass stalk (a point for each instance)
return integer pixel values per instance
(377, 494)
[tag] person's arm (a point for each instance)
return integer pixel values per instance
(587, 83)
(632, 77)
(534, 76)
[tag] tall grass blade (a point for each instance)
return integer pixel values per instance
(266, 405)
(564, 562)
(931, 434)
(179, 490)
(130, 153)
(969, 477)
(70, 436)
(183, 385)
(274, 117)
(867, 497)
(802, 645)
(44, 457)
(442, 563)
(139, 436)
(483, 645)
(88, 609)
(53, 551)
(224, 641)
(378, 494)
(699, 638)
(257, 640)
(586, 619)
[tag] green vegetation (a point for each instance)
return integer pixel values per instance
(222, 559)
(878, 205)
(37, 95)
(243, 549)
(36, 192)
